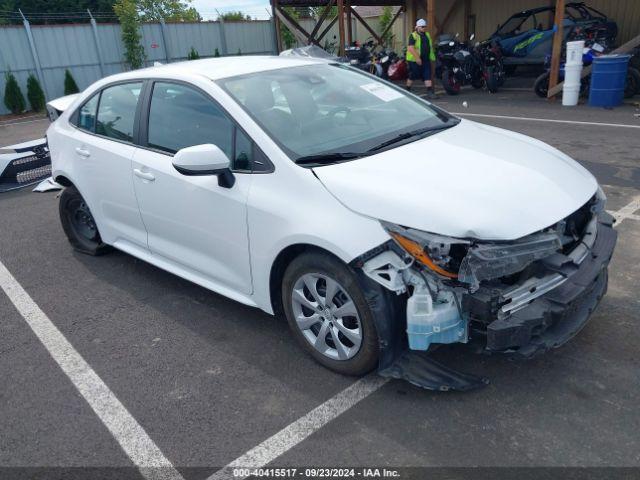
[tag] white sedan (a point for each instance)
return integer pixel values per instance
(374, 221)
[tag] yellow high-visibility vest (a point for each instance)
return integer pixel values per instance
(418, 46)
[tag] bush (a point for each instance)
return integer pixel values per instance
(127, 12)
(216, 53)
(70, 85)
(13, 98)
(193, 54)
(35, 94)
(239, 52)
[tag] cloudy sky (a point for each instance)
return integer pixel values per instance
(255, 8)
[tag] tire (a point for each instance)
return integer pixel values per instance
(541, 87)
(450, 83)
(342, 354)
(633, 83)
(478, 82)
(78, 224)
(493, 82)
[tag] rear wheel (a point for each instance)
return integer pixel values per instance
(633, 83)
(79, 225)
(450, 82)
(541, 87)
(328, 314)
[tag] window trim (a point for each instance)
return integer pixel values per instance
(145, 111)
(74, 117)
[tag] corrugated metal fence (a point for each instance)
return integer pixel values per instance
(91, 56)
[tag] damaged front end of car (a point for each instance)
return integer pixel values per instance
(521, 297)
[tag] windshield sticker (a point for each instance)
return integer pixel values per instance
(384, 93)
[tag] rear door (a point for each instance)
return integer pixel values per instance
(103, 147)
(191, 220)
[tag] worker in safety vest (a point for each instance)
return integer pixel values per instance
(420, 54)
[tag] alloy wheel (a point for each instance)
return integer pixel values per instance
(327, 316)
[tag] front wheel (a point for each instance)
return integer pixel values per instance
(450, 82)
(493, 80)
(78, 223)
(328, 314)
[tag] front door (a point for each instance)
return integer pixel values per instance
(191, 220)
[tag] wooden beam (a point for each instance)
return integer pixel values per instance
(369, 29)
(300, 33)
(556, 51)
(322, 18)
(349, 24)
(326, 30)
(626, 48)
(276, 22)
(393, 20)
(341, 27)
(431, 25)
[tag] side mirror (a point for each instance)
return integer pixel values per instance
(205, 159)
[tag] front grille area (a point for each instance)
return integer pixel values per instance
(26, 170)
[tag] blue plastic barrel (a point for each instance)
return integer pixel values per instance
(608, 79)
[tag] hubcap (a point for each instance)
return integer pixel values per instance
(327, 316)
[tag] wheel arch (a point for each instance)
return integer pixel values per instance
(279, 266)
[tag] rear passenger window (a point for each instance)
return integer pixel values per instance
(117, 110)
(181, 117)
(87, 114)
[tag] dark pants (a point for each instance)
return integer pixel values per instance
(420, 72)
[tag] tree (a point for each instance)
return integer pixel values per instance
(385, 20)
(288, 38)
(70, 85)
(129, 22)
(234, 17)
(13, 98)
(193, 54)
(170, 10)
(317, 12)
(35, 94)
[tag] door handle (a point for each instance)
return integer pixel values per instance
(144, 175)
(82, 152)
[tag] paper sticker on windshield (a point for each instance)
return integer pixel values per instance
(384, 93)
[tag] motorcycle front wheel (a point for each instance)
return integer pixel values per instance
(493, 80)
(450, 82)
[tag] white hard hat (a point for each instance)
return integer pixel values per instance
(421, 23)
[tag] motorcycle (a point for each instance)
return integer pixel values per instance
(398, 69)
(360, 56)
(591, 50)
(479, 66)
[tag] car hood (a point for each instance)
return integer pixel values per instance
(471, 181)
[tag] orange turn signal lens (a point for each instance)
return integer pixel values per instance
(416, 251)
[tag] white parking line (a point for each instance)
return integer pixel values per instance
(125, 429)
(545, 120)
(299, 430)
(627, 211)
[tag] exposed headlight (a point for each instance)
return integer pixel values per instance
(469, 261)
(442, 255)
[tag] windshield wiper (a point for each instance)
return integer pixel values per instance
(327, 158)
(415, 133)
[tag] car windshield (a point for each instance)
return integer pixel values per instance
(320, 110)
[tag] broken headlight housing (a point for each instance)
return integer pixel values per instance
(471, 262)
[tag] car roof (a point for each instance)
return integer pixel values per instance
(220, 67)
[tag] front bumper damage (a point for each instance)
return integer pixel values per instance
(525, 318)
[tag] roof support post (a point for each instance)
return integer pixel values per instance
(94, 30)
(467, 12)
(276, 25)
(34, 53)
(556, 51)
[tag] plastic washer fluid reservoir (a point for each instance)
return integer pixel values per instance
(433, 322)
